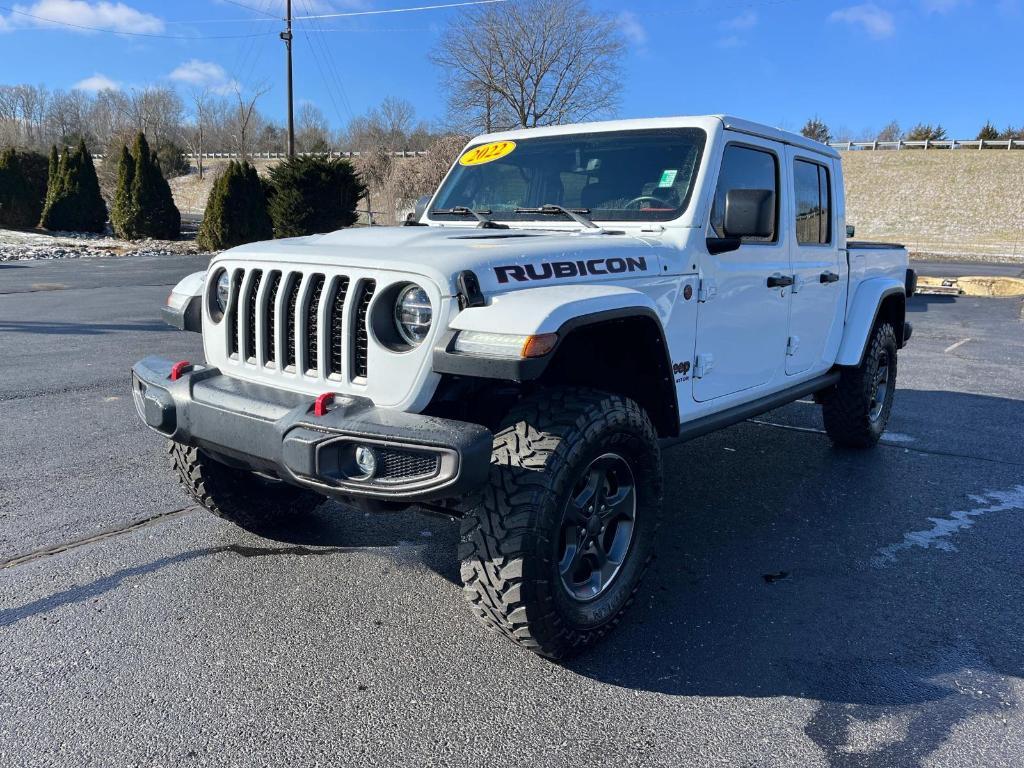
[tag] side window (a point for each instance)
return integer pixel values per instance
(745, 168)
(813, 203)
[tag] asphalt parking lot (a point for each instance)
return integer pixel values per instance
(810, 606)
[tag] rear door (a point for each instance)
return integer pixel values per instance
(819, 272)
(741, 320)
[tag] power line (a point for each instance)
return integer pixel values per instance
(109, 31)
(260, 11)
(441, 6)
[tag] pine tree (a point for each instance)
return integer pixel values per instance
(143, 204)
(988, 132)
(53, 175)
(312, 195)
(122, 213)
(236, 211)
(76, 204)
(817, 130)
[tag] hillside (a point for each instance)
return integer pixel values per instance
(938, 202)
(960, 202)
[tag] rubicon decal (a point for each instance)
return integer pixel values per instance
(548, 270)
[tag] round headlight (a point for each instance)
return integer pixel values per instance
(413, 315)
(223, 291)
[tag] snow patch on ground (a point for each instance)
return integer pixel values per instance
(23, 245)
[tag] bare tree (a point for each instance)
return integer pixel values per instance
(157, 112)
(197, 132)
(313, 132)
(247, 119)
(392, 125)
(539, 62)
(891, 132)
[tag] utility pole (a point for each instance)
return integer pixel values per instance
(287, 37)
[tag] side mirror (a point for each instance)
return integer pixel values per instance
(421, 207)
(749, 213)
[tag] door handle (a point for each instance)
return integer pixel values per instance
(780, 281)
(829, 277)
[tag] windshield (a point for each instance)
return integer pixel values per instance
(643, 175)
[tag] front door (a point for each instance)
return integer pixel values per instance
(744, 311)
(820, 287)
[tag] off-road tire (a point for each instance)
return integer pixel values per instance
(847, 409)
(239, 496)
(509, 536)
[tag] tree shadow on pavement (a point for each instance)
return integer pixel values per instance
(788, 568)
(77, 329)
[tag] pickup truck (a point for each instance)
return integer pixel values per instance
(569, 302)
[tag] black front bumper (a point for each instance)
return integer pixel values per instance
(420, 458)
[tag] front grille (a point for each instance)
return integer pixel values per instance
(395, 465)
(255, 324)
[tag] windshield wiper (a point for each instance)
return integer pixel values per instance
(576, 214)
(481, 216)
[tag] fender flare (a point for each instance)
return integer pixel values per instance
(862, 314)
(551, 309)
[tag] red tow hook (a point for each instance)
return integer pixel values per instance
(322, 401)
(179, 369)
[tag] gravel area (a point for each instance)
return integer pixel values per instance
(23, 245)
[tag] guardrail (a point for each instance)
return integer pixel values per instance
(941, 144)
(280, 155)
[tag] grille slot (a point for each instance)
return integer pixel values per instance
(250, 320)
(360, 352)
(289, 319)
(234, 310)
(337, 323)
(270, 327)
(394, 465)
(312, 326)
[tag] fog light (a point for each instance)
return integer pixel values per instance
(366, 460)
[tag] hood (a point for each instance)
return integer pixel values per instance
(503, 259)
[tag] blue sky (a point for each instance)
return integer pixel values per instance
(856, 65)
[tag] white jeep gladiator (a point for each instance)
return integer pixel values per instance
(570, 301)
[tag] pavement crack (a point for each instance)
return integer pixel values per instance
(107, 533)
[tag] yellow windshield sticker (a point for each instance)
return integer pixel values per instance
(487, 153)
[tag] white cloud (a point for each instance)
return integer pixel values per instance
(876, 22)
(632, 29)
(206, 74)
(730, 41)
(79, 13)
(746, 20)
(96, 83)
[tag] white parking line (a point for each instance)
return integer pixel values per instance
(959, 344)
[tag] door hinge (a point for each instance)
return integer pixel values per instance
(792, 345)
(707, 290)
(703, 365)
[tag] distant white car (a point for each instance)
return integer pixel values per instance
(569, 301)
